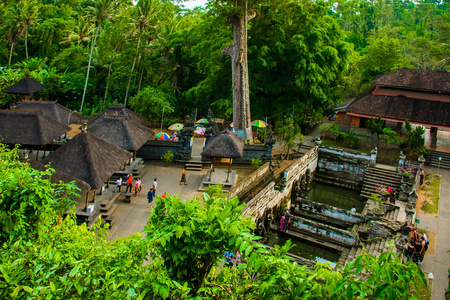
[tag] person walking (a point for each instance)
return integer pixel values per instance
(155, 185)
(119, 184)
(137, 187)
(421, 174)
(150, 196)
(129, 183)
(183, 176)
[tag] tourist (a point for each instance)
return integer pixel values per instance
(150, 197)
(424, 249)
(417, 252)
(119, 184)
(283, 218)
(183, 176)
(163, 197)
(137, 187)
(353, 210)
(287, 221)
(421, 174)
(155, 185)
(129, 183)
(409, 250)
(229, 259)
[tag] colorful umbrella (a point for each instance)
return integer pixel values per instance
(162, 136)
(259, 123)
(202, 121)
(176, 126)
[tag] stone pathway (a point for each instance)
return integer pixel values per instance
(439, 263)
(129, 218)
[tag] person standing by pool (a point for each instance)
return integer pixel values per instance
(137, 186)
(283, 218)
(119, 184)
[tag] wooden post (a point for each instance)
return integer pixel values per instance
(134, 154)
(107, 184)
(52, 144)
(45, 150)
(37, 154)
(124, 166)
(95, 194)
(210, 171)
(229, 169)
(87, 201)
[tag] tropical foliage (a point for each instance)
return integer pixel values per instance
(180, 257)
(302, 55)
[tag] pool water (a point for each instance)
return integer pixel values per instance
(303, 248)
(335, 196)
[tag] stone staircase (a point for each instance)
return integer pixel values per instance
(434, 159)
(380, 174)
(375, 246)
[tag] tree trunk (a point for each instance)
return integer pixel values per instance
(132, 69)
(26, 37)
(239, 66)
(89, 68)
(10, 54)
(107, 81)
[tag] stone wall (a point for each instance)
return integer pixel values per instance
(269, 197)
(344, 168)
(250, 182)
(154, 149)
(263, 152)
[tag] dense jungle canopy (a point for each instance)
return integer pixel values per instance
(303, 56)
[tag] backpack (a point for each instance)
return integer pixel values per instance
(425, 248)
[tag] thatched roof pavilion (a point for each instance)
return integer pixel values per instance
(25, 86)
(29, 127)
(61, 176)
(119, 110)
(121, 131)
(89, 158)
(51, 109)
(224, 144)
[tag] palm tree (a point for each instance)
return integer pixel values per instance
(23, 15)
(98, 13)
(81, 33)
(146, 12)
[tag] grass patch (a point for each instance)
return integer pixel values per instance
(333, 144)
(432, 187)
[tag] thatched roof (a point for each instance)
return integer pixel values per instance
(51, 109)
(121, 111)
(61, 176)
(120, 131)
(29, 127)
(420, 80)
(89, 158)
(24, 87)
(400, 108)
(224, 144)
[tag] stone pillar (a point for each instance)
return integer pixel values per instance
(401, 160)
(373, 156)
(433, 133)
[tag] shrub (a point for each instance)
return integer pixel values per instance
(256, 163)
(167, 157)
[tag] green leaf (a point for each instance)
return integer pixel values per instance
(27, 289)
(52, 287)
(380, 290)
(74, 271)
